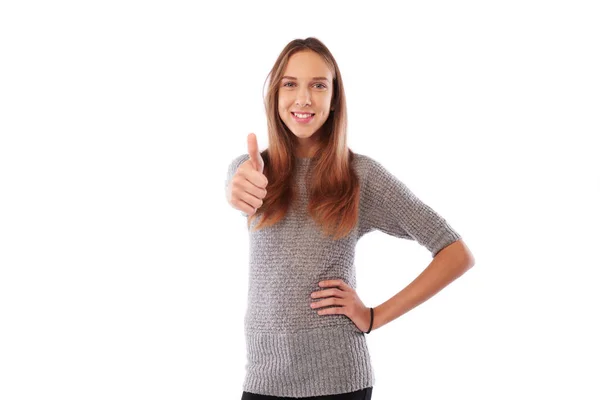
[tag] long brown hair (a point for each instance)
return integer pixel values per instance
(334, 188)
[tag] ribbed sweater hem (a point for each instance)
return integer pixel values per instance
(321, 361)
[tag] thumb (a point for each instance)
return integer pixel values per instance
(254, 154)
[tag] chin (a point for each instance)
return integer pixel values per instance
(303, 135)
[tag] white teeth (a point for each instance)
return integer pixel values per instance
(302, 115)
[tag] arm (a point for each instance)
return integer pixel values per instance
(450, 263)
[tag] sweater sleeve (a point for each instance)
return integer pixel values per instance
(391, 207)
(233, 166)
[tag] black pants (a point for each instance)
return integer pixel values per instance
(363, 394)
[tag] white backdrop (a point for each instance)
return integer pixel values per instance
(124, 270)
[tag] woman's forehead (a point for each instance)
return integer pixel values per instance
(307, 65)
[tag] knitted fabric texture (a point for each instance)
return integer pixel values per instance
(291, 350)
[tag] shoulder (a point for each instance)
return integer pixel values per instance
(376, 175)
(364, 165)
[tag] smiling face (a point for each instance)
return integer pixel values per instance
(306, 88)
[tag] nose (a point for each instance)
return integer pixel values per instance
(303, 97)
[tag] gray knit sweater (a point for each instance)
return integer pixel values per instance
(291, 350)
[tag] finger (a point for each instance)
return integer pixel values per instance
(332, 301)
(335, 282)
(245, 207)
(254, 154)
(248, 193)
(332, 310)
(254, 185)
(256, 178)
(253, 201)
(327, 293)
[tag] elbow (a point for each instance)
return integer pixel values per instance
(463, 255)
(470, 262)
(468, 258)
(458, 255)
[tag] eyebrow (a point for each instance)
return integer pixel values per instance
(316, 78)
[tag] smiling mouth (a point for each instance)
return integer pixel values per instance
(298, 118)
(305, 120)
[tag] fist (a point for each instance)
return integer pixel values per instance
(247, 188)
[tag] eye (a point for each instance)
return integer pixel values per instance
(320, 84)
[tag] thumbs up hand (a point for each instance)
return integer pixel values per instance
(247, 188)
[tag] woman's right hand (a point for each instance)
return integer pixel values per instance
(247, 188)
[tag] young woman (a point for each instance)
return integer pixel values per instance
(309, 199)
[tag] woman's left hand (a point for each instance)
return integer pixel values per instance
(347, 301)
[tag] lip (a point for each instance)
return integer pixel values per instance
(303, 120)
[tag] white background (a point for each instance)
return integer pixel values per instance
(124, 270)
